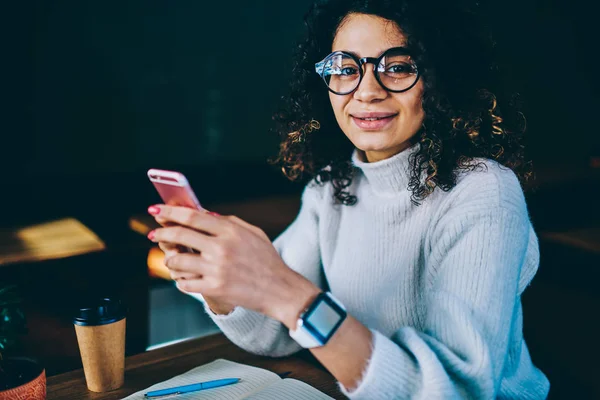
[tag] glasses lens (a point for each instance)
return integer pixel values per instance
(341, 73)
(397, 71)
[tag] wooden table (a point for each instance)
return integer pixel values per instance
(146, 369)
(49, 240)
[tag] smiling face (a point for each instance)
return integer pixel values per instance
(378, 122)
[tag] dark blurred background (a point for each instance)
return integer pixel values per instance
(98, 92)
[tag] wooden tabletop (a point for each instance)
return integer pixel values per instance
(146, 369)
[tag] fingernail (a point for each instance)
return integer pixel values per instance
(153, 210)
(151, 234)
(214, 214)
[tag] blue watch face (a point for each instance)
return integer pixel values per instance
(323, 318)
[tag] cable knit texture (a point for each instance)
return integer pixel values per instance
(439, 284)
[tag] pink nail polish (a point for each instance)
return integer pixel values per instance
(151, 234)
(214, 214)
(153, 210)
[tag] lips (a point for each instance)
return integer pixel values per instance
(372, 120)
(373, 115)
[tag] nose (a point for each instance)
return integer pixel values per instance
(369, 89)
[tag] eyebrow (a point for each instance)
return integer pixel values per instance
(357, 56)
(351, 52)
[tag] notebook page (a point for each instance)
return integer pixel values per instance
(289, 389)
(252, 379)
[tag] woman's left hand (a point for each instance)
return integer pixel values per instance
(236, 264)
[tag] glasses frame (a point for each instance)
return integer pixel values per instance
(320, 69)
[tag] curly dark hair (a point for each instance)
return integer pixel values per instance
(467, 113)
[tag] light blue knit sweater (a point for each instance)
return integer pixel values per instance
(439, 284)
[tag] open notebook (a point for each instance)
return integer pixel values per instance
(255, 384)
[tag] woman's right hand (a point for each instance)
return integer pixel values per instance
(171, 250)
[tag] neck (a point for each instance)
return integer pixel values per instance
(387, 176)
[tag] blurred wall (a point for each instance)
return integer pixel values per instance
(122, 85)
(129, 84)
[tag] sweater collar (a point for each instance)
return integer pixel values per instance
(389, 176)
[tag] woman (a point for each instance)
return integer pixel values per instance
(413, 244)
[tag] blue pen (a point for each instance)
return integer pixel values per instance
(192, 388)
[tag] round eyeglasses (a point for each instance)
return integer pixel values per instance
(394, 70)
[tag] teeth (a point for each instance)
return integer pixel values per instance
(371, 119)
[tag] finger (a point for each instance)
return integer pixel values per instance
(168, 248)
(182, 236)
(171, 253)
(163, 222)
(193, 286)
(176, 276)
(188, 264)
(195, 219)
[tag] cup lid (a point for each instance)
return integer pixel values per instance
(104, 311)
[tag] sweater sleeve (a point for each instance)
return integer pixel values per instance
(472, 273)
(298, 246)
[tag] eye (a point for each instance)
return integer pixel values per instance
(348, 71)
(400, 69)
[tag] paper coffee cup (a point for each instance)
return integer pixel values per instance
(101, 336)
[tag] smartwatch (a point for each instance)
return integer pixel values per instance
(319, 321)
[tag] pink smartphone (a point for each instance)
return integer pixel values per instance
(174, 188)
